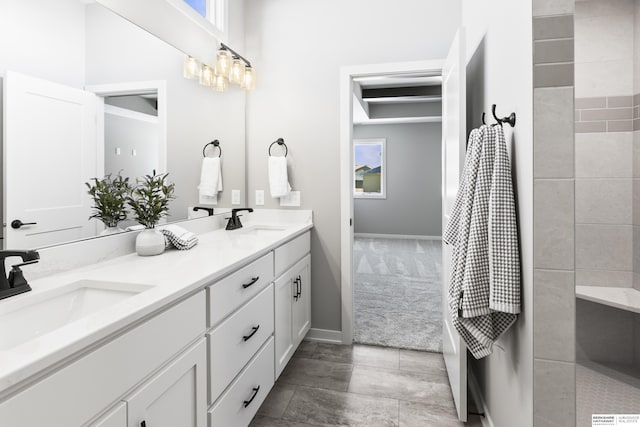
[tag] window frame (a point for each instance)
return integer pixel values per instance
(210, 23)
(383, 168)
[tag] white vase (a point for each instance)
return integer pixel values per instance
(150, 242)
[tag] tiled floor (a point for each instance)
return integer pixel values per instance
(367, 386)
(598, 391)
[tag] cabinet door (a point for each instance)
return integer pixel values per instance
(176, 396)
(283, 322)
(117, 417)
(301, 300)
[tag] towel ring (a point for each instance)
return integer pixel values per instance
(280, 142)
(215, 143)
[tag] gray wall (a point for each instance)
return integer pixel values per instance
(414, 195)
(298, 47)
(499, 70)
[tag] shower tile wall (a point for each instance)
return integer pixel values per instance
(604, 164)
(554, 200)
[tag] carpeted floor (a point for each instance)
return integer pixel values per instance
(397, 295)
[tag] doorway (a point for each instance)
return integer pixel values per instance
(397, 216)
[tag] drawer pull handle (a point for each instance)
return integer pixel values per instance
(253, 396)
(299, 286)
(296, 294)
(143, 424)
(253, 332)
(253, 280)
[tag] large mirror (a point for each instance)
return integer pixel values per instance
(86, 94)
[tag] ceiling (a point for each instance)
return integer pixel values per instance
(400, 98)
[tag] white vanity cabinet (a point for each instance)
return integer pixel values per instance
(117, 417)
(176, 396)
(292, 299)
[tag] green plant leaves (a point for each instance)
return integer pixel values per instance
(149, 199)
(109, 197)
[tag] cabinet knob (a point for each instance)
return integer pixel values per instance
(143, 424)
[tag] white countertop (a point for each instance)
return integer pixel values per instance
(172, 274)
(623, 298)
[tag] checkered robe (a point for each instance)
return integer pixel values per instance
(484, 289)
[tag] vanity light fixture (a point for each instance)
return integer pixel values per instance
(249, 81)
(220, 83)
(192, 67)
(230, 67)
(207, 76)
(237, 72)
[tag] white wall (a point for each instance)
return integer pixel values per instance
(499, 71)
(43, 39)
(298, 47)
(413, 205)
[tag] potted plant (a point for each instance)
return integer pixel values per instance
(109, 198)
(149, 201)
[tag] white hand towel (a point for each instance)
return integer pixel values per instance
(178, 237)
(278, 179)
(210, 177)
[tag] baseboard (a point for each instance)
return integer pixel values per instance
(324, 335)
(474, 388)
(397, 236)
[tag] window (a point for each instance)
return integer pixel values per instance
(369, 169)
(214, 11)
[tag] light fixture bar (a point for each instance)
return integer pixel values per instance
(235, 54)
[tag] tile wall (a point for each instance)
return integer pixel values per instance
(607, 112)
(554, 205)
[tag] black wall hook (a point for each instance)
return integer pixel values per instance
(281, 143)
(214, 143)
(511, 118)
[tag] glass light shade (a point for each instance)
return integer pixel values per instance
(249, 82)
(223, 63)
(220, 83)
(192, 68)
(237, 72)
(207, 76)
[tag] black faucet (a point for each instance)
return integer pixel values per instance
(16, 283)
(202, 208)
(234, 221)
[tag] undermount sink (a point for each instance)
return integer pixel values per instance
(260, 230)
(39, 314)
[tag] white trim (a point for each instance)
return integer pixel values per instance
(397, 236)
(324, 335)
(400, 120)
(474, 389)
(204, 22)
(347, 74)
(159, 87)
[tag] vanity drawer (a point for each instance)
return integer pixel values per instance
(287, 254)
(235, 341)
(236, 406)
(226, 295)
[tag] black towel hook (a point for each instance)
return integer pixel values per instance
(281, 143)
(483, 122)
(214, 143)
(511, 118)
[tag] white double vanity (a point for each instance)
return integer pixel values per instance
(187, 338)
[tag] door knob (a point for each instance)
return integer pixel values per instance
(16, 223)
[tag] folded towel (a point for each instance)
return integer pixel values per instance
(210, 177)
(278, 179)
(178, 237)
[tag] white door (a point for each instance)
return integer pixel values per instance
(176, 396)
(49, 153)
(453, 152)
